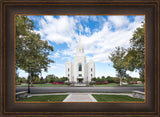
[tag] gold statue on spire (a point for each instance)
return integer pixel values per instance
(79, 27)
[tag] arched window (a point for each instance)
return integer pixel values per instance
(68, 75)
(68, 69)
(91, 75)
(91, 69)
(80, 67)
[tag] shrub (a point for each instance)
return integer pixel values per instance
(99, 82)
(106, 82)
(92, 83)
(18, 83)
(67, 83)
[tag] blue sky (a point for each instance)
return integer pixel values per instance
(100, 35)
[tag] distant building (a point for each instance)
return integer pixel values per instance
(80, 71)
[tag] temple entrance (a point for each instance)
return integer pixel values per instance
(80, 80)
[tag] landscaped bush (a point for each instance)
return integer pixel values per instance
(60, 82)
(92, 83)
(18, 83)
(38, 82)
(99, 82)
(132, 82)
(67, 83)
(106, 82)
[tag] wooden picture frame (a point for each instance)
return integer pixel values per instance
(9, 9)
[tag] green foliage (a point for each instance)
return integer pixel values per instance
(117, 57)
(63, 79)
(52, 78)
(112, 80)
(41, 79)
(21, 80)
(94, 79)
(36, 79)
(31, 52)
(108, 78)
(134, 60)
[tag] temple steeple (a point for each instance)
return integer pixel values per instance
(79, 35)
(80, 73)
(80, 49)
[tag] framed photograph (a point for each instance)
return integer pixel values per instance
(80, 58)
(86, 65)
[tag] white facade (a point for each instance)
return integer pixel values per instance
(80, 71)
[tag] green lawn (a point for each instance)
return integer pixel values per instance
(135, 85)
(115, 98)
(108, 85)
(42, 85)
(46, 98)
(103, 85)
(48, 85)
(117, 85)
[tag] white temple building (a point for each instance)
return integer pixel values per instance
(79, 71)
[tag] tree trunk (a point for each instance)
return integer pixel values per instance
(31, 80)
(120, 81)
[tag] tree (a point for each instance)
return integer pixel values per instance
(36, 79)
(93, 79)
(31, 52)
(63, 79)
(134, 60)
(41, 79)
(50, 76)
(51, 80)
(103, 78)
(117, 57)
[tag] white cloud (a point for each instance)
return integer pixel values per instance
(60, 30)
(133, 74)
(118, 21)
(57, 55)
(99, 44)
(22, 73)
(87, 30)
(56, 69)
(55, 66)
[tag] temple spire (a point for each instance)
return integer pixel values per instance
(80, 34)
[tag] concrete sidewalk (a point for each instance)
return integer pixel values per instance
(79, 97)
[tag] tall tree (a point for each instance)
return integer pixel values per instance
(135, 57)
(117, 57)
(31, 51)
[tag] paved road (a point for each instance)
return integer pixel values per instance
(80, 89)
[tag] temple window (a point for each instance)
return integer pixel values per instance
(80, 67)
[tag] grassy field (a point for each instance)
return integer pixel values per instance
(117, 85)
(103, 85)
(115, 98)
(42, 85)
(46, 98)
(108, 85)
(135, 85)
